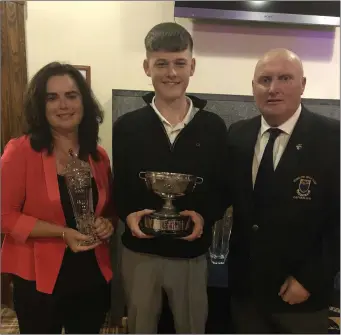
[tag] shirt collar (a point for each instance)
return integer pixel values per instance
(190, 113)
(287, 127)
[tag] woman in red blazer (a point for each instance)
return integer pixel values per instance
(56, 282)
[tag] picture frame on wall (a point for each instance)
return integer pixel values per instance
(85, 70)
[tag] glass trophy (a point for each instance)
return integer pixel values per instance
(77, 174)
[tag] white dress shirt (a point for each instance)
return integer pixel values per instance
(279, 145)
(174, 130)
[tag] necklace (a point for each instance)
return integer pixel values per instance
(63, 157)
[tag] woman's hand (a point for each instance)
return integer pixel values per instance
(73, 239)
(103, 228)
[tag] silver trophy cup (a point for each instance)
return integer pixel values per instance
(168, 186)
(77, 174)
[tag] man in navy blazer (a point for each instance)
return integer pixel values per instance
(285, 179)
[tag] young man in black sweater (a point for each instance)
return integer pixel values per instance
(172, 133)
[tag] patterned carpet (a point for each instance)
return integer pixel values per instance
(9, 324)
(334, 320)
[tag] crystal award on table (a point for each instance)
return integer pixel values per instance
(77, 174)
(221, 233)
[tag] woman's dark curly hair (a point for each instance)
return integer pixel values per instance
(37, 126)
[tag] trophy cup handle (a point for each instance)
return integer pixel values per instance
(199, 180)
(142, 175)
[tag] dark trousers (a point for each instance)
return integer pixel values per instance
(218, 320)
(248, 318)
(81, 312)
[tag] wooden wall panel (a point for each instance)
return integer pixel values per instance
(13, 85)
(13, 68)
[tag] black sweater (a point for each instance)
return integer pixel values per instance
(140, 143)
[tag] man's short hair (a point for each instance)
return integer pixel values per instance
(168, 36)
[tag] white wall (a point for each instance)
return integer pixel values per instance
(108, 36)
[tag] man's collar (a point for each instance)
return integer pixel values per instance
(287, 127)
(197, 102)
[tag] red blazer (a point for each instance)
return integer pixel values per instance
(29, 191)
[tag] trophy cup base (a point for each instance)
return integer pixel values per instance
(158, 224)
(85, 227)
(92, 240)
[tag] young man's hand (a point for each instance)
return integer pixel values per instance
(198, 225)
(133, 220)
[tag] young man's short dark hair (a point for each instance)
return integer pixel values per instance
(168, 36)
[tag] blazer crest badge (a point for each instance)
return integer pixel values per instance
(303, 190)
